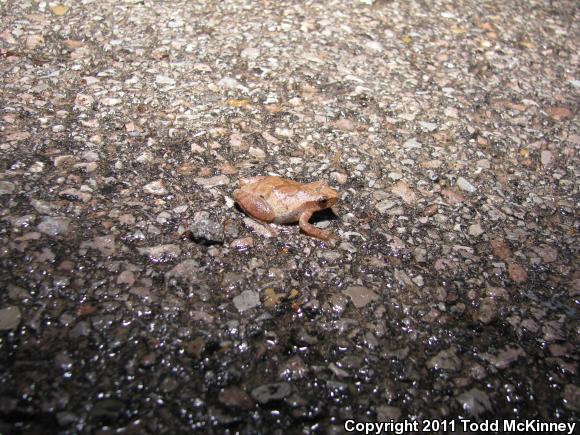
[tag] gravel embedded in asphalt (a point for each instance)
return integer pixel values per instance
(451, 133)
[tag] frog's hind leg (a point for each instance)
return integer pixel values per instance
(254, 205)
(311, 230)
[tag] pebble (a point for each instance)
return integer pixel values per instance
(169, 384)
(335, 388)
(261, 229)
(63, 361)
(431, 164)
(237, 142)
(271, 298)
(161, 253)
(107, 411)
(453, 197)
(7, 188)
(33, 41)
(180, 209)
(250, 53)
(546, 158)
(163, 217)
(428, 126)
(360, 296)
(559, 113)
(103, 244)
(164, 80)
(547, 253)
(257, 153)
(230, 83)
(145, 157)
(452, 112)
(516, 272)
(83, 101)
(487, 311)
(206, 230)
(75, 195)
(477, 371)
(284, 132)
(293, 369)
(430, 210)
(242, 243)
(235, 397)
(9, 318)
(218, 180)
(463, 184)
(338, 303)
(155, 188)
(571, 397)
(54, 226)
(344, 124)
(271, 139)
(90, 156)
(475, 230)
(17, 293)
(388, 413)
(110, 101)
(246, 300)
(501, 249)
(445, 360)
(483, 163)
(127, 219)
(337, 371)
(126, 277)
(65, 418)
(497, 293)
(403, 191)
(42, 207)
(531, 325)
(505, 357)
(474, 402)
(339, 177)
(37, 167)
(64, 160)
(385, 205)
(552, 330)
(412, 144)
(271, 392)
(87, 167)
(81, 329)
(374, 46)
(420, 255)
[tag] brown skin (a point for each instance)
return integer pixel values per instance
(283, 201)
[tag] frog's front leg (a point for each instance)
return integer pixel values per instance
(254, 205)
(311, 230)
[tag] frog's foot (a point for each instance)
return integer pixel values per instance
(311, 230)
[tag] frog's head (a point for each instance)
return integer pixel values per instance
(324, 195)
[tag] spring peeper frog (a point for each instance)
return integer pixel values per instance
(282, 201)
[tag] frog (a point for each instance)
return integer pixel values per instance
(272, 199)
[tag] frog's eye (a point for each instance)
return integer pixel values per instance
(322, 200)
